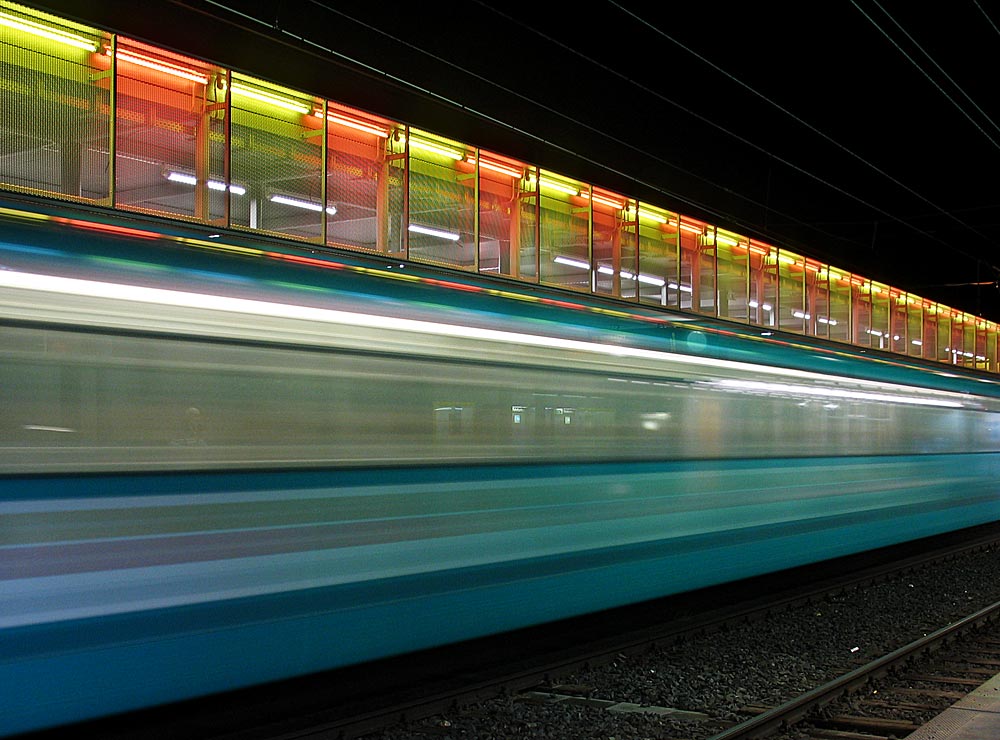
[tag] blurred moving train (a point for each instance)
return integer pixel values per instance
(223, 465)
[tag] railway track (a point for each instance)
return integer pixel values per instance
(851, 706)
(917, 681)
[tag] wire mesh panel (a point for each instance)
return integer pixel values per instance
(364, 181)
(817, 318)
(881, 334)
(615, 243)
(276, 165)
(170, 133)
(914, 326)
(791, 292)
(968, 341)
(897, 321)
(929, 332)
(839, 318)
(659, 262)
(442, 202)
(692, 242)
(503, 243)
(763, 301)
(565, 233)
(732, 253)
(53, 106)
(706, 298)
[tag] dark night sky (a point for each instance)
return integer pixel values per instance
(864, 134)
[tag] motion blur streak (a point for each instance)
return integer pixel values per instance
(116, 291)
(221, 471)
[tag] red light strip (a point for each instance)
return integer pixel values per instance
(488, 164)
(107, 228)
(355, 123)
(161, 65)
(604, 200)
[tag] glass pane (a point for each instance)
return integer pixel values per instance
(691, 242)
(957, 339)
(502, 185)
(704, 298)
(364, 181)
(968, 341)
(914, 327)
(528, 230)
(981, 359)
(839, 318)
(817, 300)
(929, 348)
(763, 284)
(565, 233)
(276, 165)
(54, 102)
(170, 141)
(897, 322)
(880, 335)
(861, 313)
(791, 292)
(944, 352)
(733, 266)
(991, 347)
(442, 202)
(658, 255)
(615, 244)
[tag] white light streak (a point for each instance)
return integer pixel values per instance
(307, 205)
(877, 391)
(823, 392)
(439, 233)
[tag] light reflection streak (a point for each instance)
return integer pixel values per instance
(183, 299)
(809, 390)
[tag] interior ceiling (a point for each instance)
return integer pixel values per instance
(860, 133)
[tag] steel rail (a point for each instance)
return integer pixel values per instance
(797, 709)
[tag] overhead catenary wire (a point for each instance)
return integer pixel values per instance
(937, 66)
(675, 196)
(827, 138)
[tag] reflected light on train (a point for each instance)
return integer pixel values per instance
(184, 299)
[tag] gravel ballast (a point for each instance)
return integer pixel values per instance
(764, 662)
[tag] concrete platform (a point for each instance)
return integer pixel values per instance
(976, 717)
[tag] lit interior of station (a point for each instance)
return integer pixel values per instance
(93, 117)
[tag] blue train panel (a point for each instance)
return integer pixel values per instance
(224, 463)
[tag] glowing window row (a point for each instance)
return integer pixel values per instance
(98, 118)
